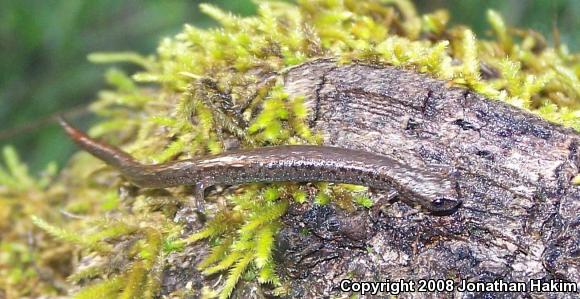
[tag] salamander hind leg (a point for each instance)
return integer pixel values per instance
(199, 196)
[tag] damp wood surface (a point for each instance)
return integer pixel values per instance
(520, 216)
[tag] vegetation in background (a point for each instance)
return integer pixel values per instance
(201, 88)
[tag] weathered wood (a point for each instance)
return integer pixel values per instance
(520, 219)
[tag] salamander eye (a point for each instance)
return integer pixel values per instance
(438, 202)
(444, 206)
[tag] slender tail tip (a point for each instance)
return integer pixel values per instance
(73, 132)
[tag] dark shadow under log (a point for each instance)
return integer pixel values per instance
(520, 218)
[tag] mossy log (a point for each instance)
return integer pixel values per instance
(520, 219)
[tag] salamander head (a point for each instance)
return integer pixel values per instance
(442, 206)
(440, 195)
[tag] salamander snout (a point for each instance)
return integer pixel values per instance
(442, 206)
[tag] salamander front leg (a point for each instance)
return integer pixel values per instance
(379, 205)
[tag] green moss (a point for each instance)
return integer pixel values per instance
(205, 86)
(108, 288)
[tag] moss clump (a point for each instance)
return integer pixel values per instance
(206, 86)
(244, 235)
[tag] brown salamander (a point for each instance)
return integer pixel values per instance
(298, 163)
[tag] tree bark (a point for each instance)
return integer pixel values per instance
(520, 218)
(520, 215)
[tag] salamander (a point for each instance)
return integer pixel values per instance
(297, 163)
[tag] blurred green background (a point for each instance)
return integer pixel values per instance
(44, 44)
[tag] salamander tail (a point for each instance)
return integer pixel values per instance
(108, 153)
